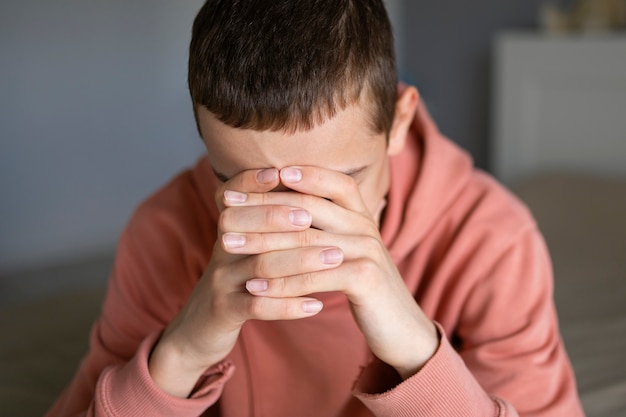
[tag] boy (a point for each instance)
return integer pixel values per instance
(332, 255)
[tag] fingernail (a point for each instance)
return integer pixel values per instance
(234, 241)
(312, 306)
(267, 175)
(331, 256)
(300, 217)
(256, 285)
(291, 175)
(235, 196)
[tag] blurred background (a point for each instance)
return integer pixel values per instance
(95, 115)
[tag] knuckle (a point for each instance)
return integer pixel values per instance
(278, 287)
(262, 308)
(307, 282)
(262, 241)
(270, 215)
(224, 219)
(366, 269)
(219, 305)
(284, 309)
(263, 199)
(364, 279)
(256, 307)
(217, 273)
(304, 239)
(215, 277)
(260, 267)
(311, 237)
(372, 246)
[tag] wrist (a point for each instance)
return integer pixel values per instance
(172, 370)
(428, 345)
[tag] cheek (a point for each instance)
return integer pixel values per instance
(379, 211)
(374, 192)
(375, 199)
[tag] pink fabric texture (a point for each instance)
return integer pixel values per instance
(467, 249)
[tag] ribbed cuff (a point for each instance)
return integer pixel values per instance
(443, 387)
(129, 390)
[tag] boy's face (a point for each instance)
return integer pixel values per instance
(344, 143)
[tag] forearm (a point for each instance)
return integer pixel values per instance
(177, 362)
(444, 386)
(129, 390)
(172, 372)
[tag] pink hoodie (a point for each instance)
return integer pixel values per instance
(467, 249)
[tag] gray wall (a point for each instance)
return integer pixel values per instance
(447, 55)
(94, 115)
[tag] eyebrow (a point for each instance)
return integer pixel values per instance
(350, 172)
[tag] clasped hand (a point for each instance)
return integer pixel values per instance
(275, 249)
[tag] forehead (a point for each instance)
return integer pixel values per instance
(344, 143)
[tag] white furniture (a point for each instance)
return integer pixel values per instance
(559, 141)
(559, 104)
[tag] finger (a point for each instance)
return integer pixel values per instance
(290, 262)
(256, 180)
(353, 246)
(268, 218)
(254, 243)
(326, 215)
(267, 308)
(336, 186)
(353, 278)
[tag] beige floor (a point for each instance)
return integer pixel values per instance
(41, 344)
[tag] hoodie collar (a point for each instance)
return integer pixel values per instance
(426, 177)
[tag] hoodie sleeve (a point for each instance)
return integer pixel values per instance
(113, 379)
(510, 360)
(157, 264)
(128, 390)
(510, 336)
(444, 386)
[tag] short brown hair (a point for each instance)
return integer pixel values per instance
(291, 64)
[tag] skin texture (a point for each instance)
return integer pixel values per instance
(299, 214)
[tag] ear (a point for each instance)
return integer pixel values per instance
(402, 119)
